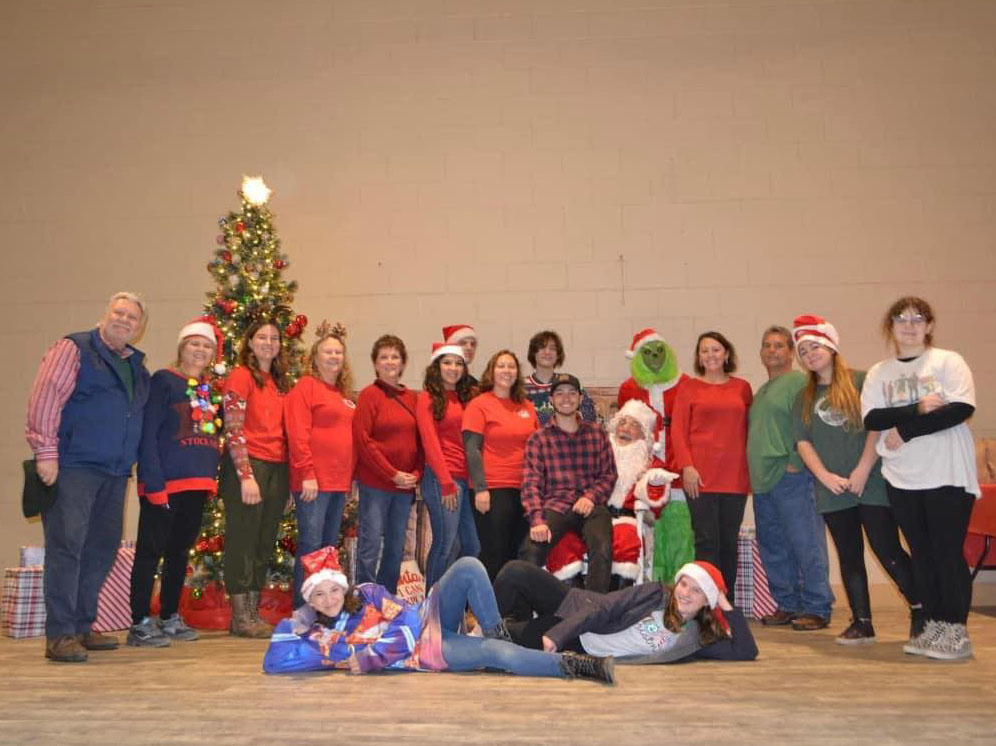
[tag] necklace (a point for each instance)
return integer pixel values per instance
(203, 407)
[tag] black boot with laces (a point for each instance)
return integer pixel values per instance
(580, 666)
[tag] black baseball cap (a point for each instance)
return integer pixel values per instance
(564, 379)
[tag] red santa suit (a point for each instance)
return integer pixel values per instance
(642, 485)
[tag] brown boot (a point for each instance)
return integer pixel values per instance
(96, 641)
(241, 625)
(65, 649)
(260, 625)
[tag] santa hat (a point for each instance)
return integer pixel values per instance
(815, 329)
(638, 411)
(710, 581)
(458, 332)
(439, 349)
(320, 566)
(642, 337)
(206, 327)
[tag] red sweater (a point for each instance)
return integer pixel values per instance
(709, 432)
(254, 418)
(385, 436)
(443, 440)
(319, 422)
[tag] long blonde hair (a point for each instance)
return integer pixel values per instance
(842, 395)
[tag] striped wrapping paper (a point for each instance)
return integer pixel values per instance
(113, 605)
(751, 594)
(22, 608)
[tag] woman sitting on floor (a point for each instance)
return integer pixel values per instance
(648, 623)
(364, 629)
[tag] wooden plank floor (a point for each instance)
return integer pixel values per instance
(803, 690)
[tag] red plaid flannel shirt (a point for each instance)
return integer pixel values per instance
(560, 468)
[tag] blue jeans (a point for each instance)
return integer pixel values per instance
(82, 534)
(383, 517)
(792, 540)
(318, 524)
(454, 534)
(466, 582)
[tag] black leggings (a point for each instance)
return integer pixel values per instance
(528, 598)
(167, 534)
(883, 536)
(501, 530)
(934, 523)
(716, 519)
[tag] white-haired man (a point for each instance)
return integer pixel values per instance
(641, 482)
(84, 425)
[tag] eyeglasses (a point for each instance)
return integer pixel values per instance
(916, 320)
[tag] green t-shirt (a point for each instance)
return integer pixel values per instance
(839, 449)
(770, 444)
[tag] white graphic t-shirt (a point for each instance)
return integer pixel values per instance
(647, 636)
(943, 458)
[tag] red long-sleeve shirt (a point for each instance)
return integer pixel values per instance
(709, 432)
(442, 440)
(319, 421)
(254, 420)
(385, 436)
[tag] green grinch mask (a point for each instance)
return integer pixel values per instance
(654, 362)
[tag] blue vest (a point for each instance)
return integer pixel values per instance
(100, 428)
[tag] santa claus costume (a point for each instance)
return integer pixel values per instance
(642, 493)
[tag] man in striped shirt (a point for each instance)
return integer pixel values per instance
(84, 425)
(568, 475)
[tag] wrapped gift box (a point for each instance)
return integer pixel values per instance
(31, 556)
(22, 607)
(751, 595)
(113, 603)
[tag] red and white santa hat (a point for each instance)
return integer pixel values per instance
(642, 337)
(710, 581)
(638, 411)
(205, 326)
(815, 329)
(439, 349)
(322, 565)
(457, 333)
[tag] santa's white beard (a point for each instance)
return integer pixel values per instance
(632, 459)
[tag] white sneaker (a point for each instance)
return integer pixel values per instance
(952, 645)
(918, 645)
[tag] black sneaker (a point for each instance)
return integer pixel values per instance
(499, 633)
(860, 632)
(581, 666)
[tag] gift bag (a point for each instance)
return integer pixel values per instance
(751, 595)
(411, 584)
(22, 606)
(114, 601)
(31, 556)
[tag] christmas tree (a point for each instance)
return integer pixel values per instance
(248, 270)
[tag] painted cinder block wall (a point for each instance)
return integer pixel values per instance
(594, 166)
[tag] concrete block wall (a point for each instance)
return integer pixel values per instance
(594, 166)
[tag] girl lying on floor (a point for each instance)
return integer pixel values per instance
(365, 628)
(648, 623)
